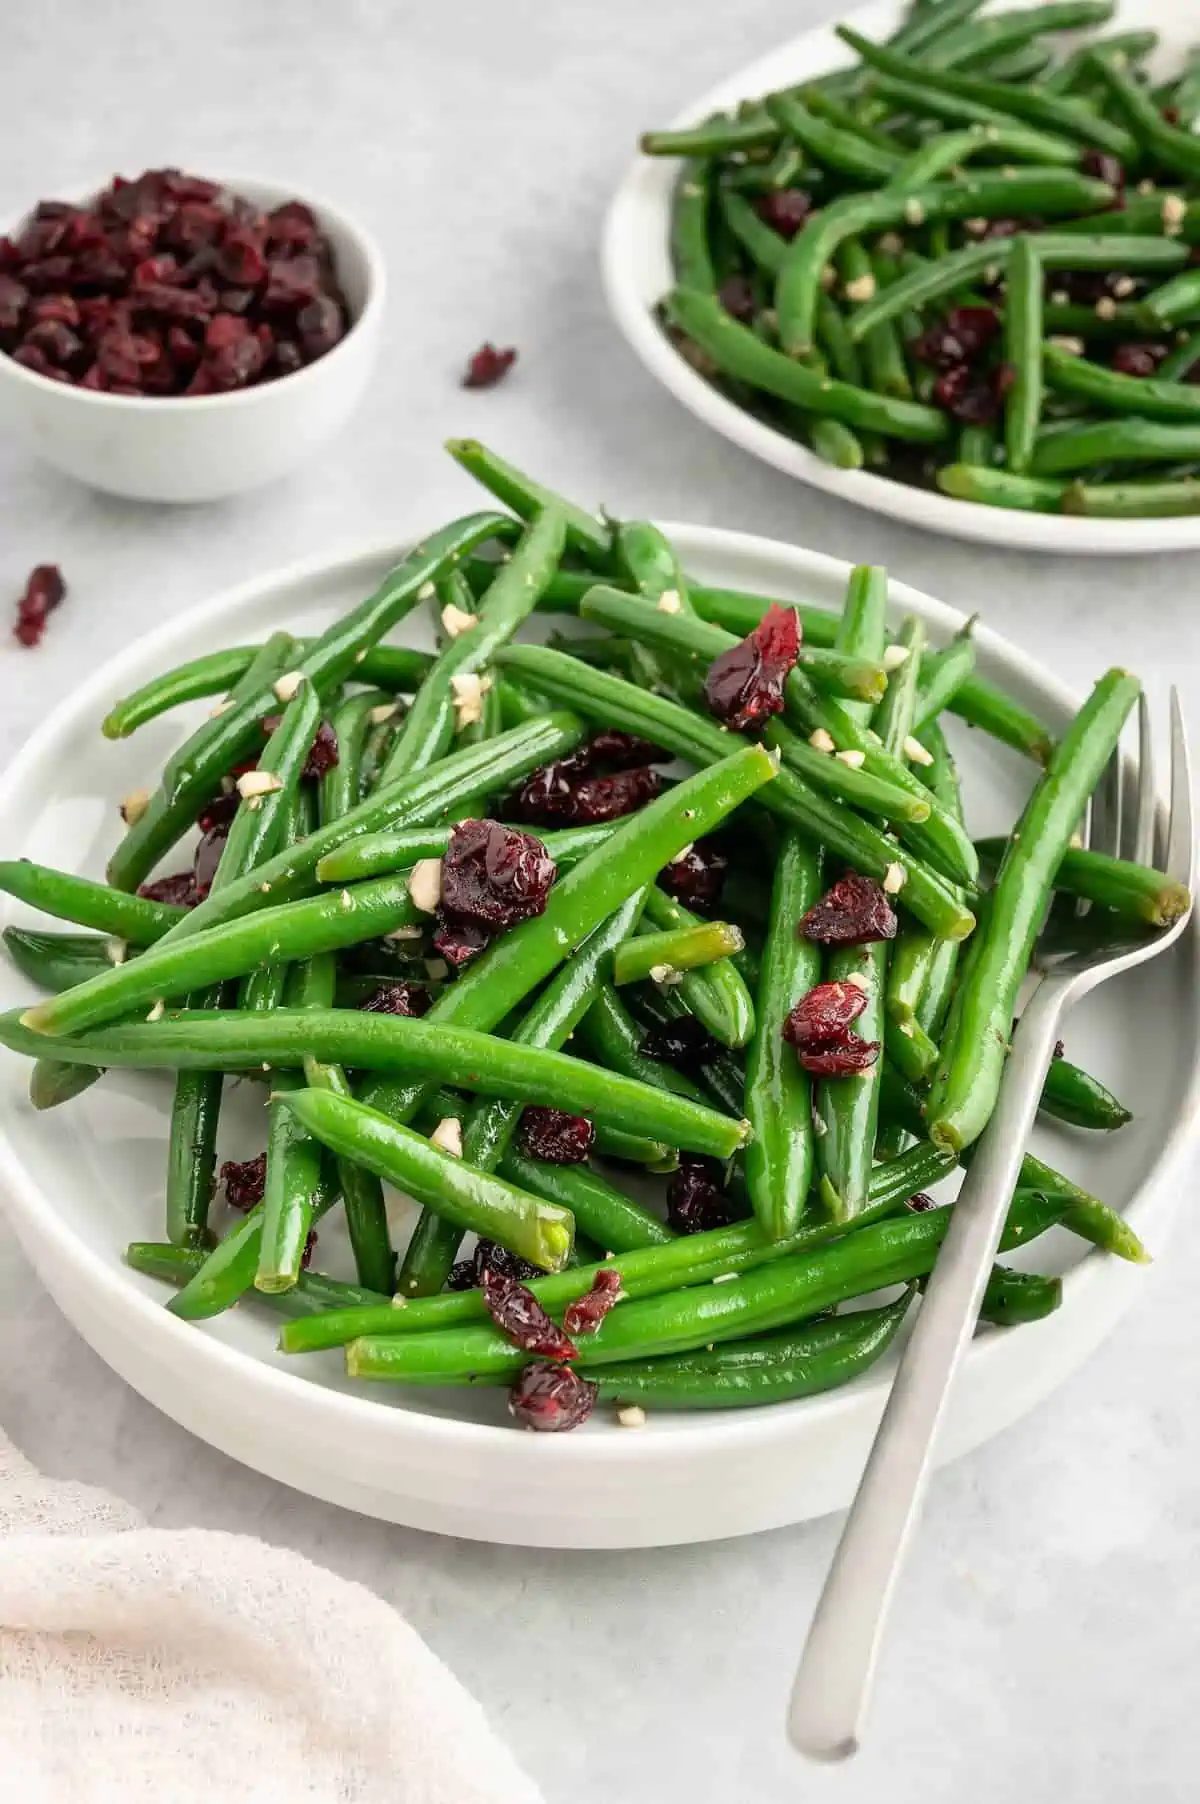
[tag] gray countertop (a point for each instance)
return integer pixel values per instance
(1045, 1641)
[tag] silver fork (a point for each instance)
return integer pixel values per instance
(833, 1684)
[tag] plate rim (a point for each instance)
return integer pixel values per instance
(1151, 1204)
(644, 190)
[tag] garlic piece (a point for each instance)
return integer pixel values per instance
(288, 684)
(425, 884)
(134, 806)
(448, 1136)
(258, 783)
(457, 620)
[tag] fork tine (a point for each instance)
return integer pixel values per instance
(1180, 833)
(1147, 790)
(1104, 815)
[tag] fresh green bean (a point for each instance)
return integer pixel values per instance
(764, 247)
(778, 1161)
(973, 1052)
(586, 533)
(88, 904)
(1023, 334)
(1131, 45)
(1006, 136)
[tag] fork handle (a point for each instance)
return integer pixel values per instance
(833, 1684)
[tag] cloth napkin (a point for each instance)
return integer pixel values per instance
(152, 1666)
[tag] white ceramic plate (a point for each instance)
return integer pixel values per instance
(81, 1184)
(637, 272)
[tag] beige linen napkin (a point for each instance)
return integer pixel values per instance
(150, 1666)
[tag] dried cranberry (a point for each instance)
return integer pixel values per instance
(855, 911)
(487, 366)
(824, 1014)
(459, 941)
(320, 325)
(784, 210)
(551, 1399)
(288, 357)
(556, 1136)
(182, 348)
(1104, 166)
(490, 1256)
(517, 1313)
(695, 1199)
(920, 1204)
(959, 338)
(240, 261)
(1138, 360)
(322, 753)
(224, 329)
(495, 876)
(292, 226)
(1059, 1052)
(49, 273)
(179, 889)
(235, 365)
(292, 282)
(121, 354)
(685, 1043)
(967, 396)
(620, 751)
(736, 294)
(31, 358)
(61, 308)
(572, 791)
(462, 1276)
(244, 1182)
(61, 345)
(207, 858)
(696, 877)
(745, 684)
(840, 1058)
(44, 590)
(397, 999)
(14, 297)
(586, 1313)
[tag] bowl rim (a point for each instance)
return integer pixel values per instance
(639, 209)
(277, 192)
(1150, 1203)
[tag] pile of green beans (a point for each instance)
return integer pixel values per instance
(654, 1013)
(827, 238)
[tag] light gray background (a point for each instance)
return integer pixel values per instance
(1045, 1644)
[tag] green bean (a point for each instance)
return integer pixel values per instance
(1115, 441)
(1131, 45)
(377, 854)
(940, 155)
(894, 717)
(770, 1297)
(1170, 147)
(1085, 1215)
(293, 1184)
(1055, 250)
(604, 1213)
(1142, 215)
(1135, 891)
(312, 1294)
(1065, 119)
(637, 850)
(613, 701)
(614, 1039)
(975, 39)
(778, 1161)
(973, 1051)
(847, 152)
(722, 1074)
(999, 488)
(714, 993)
(800, 1362)
(351, 721)
(835, 444)
(649, 1271)
(489, 1125)
(836, 344)
(942, 675)
(1130, 500)
(848, 1107)
(763, 245)
(910, 1048)
(213, 674)
(1180, 359)
(527, 498)
(417, 800)
(852, 120)
(1012, 1298)
(227, 1274)
(1073, 1095)
(883, 353)
(1006, 136)
(88, 904)
(717, 137)
(647, 558)
(192, 775)
(691, 255)
(739, 353)
(1176, 303)
(255, 831)
(1023, 352)
(56, 961)
(1143, 395)
(1074, 320)
(1048, 191)
(428, 728)
(849, 678)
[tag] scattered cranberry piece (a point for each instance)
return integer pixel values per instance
(824, 1014)
(398, 999)
(685, 1043)
(971, 397)
(487, 366)
(60, 308)
(244, 1182)
(697, 877)
(784, 210)
(490, 1256)
(310, 1247)
(459, 941)
(959, 338)
(44, 590)
(920, 1204)
(586, 1313)
(839, 1058)
(571, 790)
(736, 294)
(179, 889)
(462, 1276)
(1137, 360)
(556, 1136)
(495, 876)
(219, 812)
(1104, 166)
(240, 261)
(852, 913)
(61, 345)
(551, 1399)
(695, 1199)
(322, 754)
(597, 799)
(745, 684)
(208, 857)
(517, 1313)
(292, 282)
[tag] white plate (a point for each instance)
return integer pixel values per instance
(636, 267)
(81, 1184)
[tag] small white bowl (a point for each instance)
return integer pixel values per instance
(202, 447)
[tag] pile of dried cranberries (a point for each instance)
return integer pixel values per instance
(168, 285)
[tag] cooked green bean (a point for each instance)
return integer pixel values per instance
(714, 993)
(894, 718)
(57, 961)
(313, 1293)
(1129, 440)
(848, 1107)
(585, 532)
(88, 904)
(1023, 333)
(1135, 891)
(1073, 1095)
(1109, 389)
